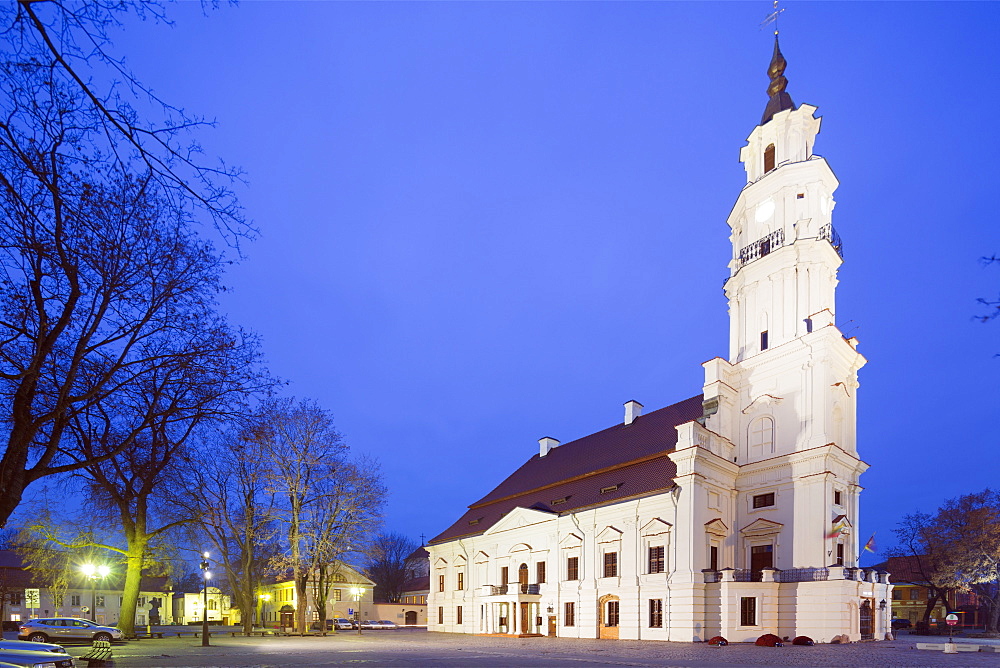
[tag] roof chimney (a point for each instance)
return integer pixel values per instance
(545, 445)
(633, 409)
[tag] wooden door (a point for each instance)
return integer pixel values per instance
(609, 618)
(867, 621)
(525, 618)
(552, 626)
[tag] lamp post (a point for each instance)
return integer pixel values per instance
(263, 598)
(94, 572)
(204, 610)
(357, 593)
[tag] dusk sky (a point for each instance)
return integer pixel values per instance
(485, 223)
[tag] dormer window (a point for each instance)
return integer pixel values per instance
(769, 158)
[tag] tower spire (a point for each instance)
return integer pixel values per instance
(778, 99)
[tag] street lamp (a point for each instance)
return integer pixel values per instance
(264, 598)
(94, 572)
(357, 593)
(204, 618)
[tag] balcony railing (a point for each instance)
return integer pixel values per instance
(828, 233)
(514, 588)
(802, 575)
(747, 575)
(762, 247)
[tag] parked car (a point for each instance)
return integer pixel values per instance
(342, 624)
(66, 628)
(27, 658)
(32, 646)
(386, 624)
(901, 624)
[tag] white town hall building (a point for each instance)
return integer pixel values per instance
(731, 513)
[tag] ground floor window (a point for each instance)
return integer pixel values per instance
(440, 615)
(569, 615)
(748, 611)
(458, 615)
(656, 613)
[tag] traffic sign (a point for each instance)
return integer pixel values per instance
(350, 612)
(952, 619)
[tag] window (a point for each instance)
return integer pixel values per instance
(897, 594)
(338, 595)
(504, 575)
(655, 613)
(440, 615)
(761, 557)
(763, 340)
(763, 500)
(915, 594)
(800, 196)
(540, 572)
(58, 601)
(837, 497)
(440, 583)
(761, 437)
(458, 615)
(100, 600)
(522, 574)
(656, 559)
(713, 557)
(611, 565)
(461, 581)
(569, 615)
(612, 617)
(213, 604)
(809, 325)
(15, 597)
(748, 611)
(769, 158)
(573, 568)
(141, 600)
(74, 599)
(315, 615)
(840, 554)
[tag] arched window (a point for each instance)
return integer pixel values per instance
(760, 439)
(522, 574)
(769, 158)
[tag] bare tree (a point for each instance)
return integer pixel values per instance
(924, 559)
(967, 531)
(386, 564)
(228, 492)
(98, 256)
(327, 503)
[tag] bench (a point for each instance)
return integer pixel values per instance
(252, 633)
(151, 634)
(99, 654)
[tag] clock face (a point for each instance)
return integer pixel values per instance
(764, 210)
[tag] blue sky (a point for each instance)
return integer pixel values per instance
(484, 223)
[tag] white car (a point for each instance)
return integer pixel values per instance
(32, 646)
(66, 628)
(386, 624)
(35, 659)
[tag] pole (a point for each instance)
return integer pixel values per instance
(93, 598)
(204, 608)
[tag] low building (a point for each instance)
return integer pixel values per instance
(351, 595)
(911, 592)
(189, 608)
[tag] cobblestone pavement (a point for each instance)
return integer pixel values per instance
(419, 648)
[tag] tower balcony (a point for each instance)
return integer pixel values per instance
(511, 589)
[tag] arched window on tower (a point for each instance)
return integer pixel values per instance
(769, 158)
(760, 439)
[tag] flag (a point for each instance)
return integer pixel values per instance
(838, 528)
(870, 545)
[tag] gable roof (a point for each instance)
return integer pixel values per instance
(623, 461)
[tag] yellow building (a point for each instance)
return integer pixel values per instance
(350, 595)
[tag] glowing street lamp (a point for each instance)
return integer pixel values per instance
(263, 598)
(204, 617)
(357, 593)
(94, 573)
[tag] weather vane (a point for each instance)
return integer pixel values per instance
(772, 18)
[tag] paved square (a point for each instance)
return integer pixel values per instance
(420, 648)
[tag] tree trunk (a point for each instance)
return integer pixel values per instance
(993, 623)
(136, 551)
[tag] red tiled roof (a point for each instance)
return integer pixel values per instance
(634, 457)
(905, 569)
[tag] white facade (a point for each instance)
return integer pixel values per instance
(756, 534)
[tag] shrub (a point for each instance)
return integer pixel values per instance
(718, 640)
(803, 640)
(769, 640)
